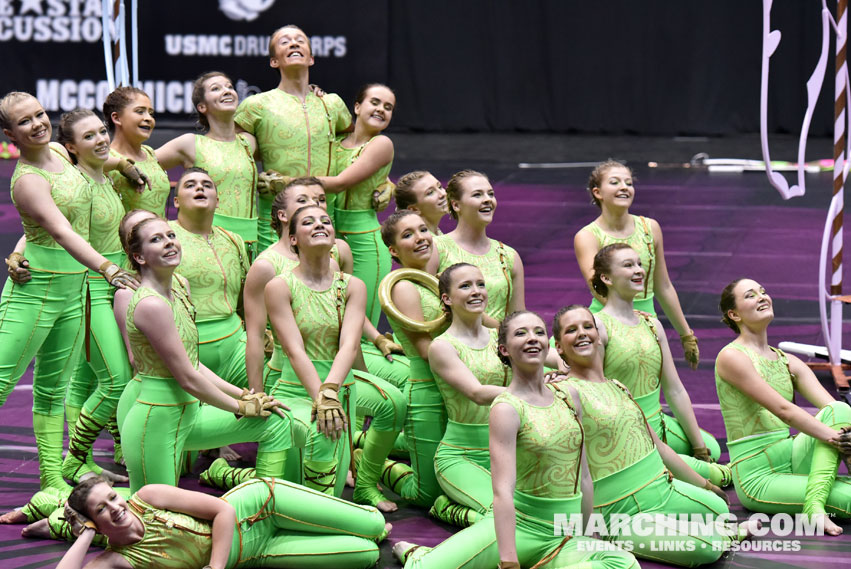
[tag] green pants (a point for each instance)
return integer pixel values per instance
(245, 227)
(298, 527)
(266, 236)
(776, 473)
(645, 305)
(221, 347)
(462, 465)
(380, 400)
(396, 372)
(536, 539)
(165, 420)
(657, 493)
(361, 230)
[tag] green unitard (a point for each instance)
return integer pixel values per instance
(165, 419)
(215, 266)
(44, 317)
(152, 199)
(773, 472)
(642, 243)
(634, 356)
(357, 222)
(425, 424)
(630, 479)
(462, 460)
(232, 168)
(98, 381)
(294, 138)
(548, 448)
(497, 266)
(278, 524)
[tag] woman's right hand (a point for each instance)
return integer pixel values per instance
(18, 268)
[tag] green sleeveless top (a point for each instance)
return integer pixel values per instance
(430, 304)
(71, 193)
(215, 266)
(151, 199)
(497, 266)
(107, 212)
(232, 168)
(633, 354)
(743, 416)
(359, 196)
(294, 138)
(145, 358)
(549, 443)
(641, 241)
(319, 314)
(172, 540)
(485, 365)
(616, 435)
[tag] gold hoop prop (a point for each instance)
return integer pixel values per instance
(417, 276)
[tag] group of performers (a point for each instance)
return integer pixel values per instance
(252, 317)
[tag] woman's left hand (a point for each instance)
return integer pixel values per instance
(118, 277)
(690, 349)
(382, 195)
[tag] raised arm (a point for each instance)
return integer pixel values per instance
(585, 245)
(444, 361)
(504, 424)
(178, 151)
(378, 153)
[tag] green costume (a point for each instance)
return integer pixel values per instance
(630, 478)
(107, 367)
(549, 443)
(357, 222)
(152, 199)
(215, 266)
(319, 317)
(773, 472)
(497, 266)
(165, 419)
(294, 138)
(634, 357)
(278, 524)
(425, 424)
(462, 460)
(232, 168)
(642, 243)
(44, 317)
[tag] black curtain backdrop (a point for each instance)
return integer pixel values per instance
(648, 67)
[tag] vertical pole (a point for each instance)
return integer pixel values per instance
(839, 135)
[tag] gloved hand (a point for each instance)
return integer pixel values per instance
(118, 277)
(717, 491)
(78, 522)
(257, 405)
(382, 195)
(702, 453)
(18, 268)
(129, 170)
(509, 565)
(690, 349)
(328, 412)
(387, 346)
(270, 182)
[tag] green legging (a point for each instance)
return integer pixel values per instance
(462, 465)
(266, 236)
(536, 539)
(321, 457)
(775, 473)
(425, 426)
(396, 372)
(165, 420)
(658, 493)
(221, 347)
(44, 319)
(108, 371)
(361, 230)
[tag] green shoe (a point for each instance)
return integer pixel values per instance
(721, 475)
(223, 476)
(452, 513)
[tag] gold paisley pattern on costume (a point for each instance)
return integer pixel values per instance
(150, 199)
(615, 433)
(107, 212)
(215, 266)
(487, 368)
(743, 416)
(316, 314)
(633, 354)
(549, 442)
(639, 241)
(497, 266)
(359, 196)
(145, 358)
(171, 541)
(71, 193)
(233, 170)
(430, 304)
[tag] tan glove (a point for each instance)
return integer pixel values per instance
(382, 195)
(386, 345)
(118, 277)
(690, 349)
(270, 182)
(268, 343)
(509, 565)
(129, 170)
(18, 268)
(77, 521)
(717, 491)
(328, 412)
(256, 404)
(702, 454)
